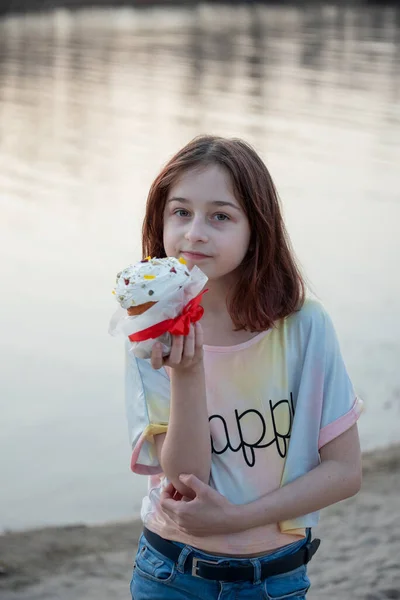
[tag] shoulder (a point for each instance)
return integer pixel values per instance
(311, 316)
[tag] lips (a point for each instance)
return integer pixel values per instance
(192, 254)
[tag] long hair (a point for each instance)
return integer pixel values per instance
(270, 285)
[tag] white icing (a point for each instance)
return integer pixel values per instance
(133, 289)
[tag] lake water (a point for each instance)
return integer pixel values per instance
(91, 105)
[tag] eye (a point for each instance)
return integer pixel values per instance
(181, 210)
(224, 217)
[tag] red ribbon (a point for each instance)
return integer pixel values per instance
(178, 326)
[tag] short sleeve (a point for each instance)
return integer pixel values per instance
(147, 403)
(341, 406)
(326, 404)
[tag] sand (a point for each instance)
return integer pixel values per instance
(359, 556)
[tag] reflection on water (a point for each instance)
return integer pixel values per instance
(91, 104)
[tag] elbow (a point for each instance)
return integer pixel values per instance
(357, 477)
(173, 468)
(358, 482)
(180, 487)
(354, 482)
(172, 474)
(347, 481)
(173, 477)
(183, 490)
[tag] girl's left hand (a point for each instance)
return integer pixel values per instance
(207, 514)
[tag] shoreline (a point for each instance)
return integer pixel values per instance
(17, 7)
(358, 557)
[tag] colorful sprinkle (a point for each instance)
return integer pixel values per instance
(149, 276)
(151, 292)
(182, 260)
(173, 270)
(126, 281)
(114, 292)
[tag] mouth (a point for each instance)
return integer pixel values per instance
(194, 255)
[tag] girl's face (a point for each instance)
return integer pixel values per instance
(204, 223)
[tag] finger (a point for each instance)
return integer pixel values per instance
(180, 517)
(172, 516)
(198, 337)
(175, 355)
(192, 482)
(156, 356)
(166, 496)
(188, 348)
(169, 507)
(170, 487)
(168, 491)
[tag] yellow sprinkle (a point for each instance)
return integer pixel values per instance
(148, 258)
(113, 292)
(149, 276)
(182, 260)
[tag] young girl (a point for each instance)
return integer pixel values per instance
(248, 428)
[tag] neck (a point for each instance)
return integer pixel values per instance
(214, 301)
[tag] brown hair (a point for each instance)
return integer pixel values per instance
(270, 284)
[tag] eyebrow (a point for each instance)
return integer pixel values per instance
(214, 202)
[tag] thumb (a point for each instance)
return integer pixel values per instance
(194, 483)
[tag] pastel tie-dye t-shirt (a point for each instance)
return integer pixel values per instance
(273, 402)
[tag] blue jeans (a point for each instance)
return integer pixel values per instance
(156, 577)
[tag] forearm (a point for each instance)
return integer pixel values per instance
(187, 445)
(328, 483)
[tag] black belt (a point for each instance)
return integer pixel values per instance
(208, 569)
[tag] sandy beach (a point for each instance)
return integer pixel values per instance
(358, 557)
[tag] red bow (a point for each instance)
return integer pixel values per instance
(178, 326)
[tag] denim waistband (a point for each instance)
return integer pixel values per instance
(237, 561)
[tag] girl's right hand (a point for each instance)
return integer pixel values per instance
(186, 351)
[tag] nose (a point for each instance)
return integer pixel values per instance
(196, 231)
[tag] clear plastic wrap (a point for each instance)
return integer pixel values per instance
(169, 307)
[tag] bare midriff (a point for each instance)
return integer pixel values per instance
(255, 555)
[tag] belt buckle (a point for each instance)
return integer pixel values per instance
(195, 567)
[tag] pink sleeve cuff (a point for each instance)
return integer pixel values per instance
(145, 470)
(333, 430)
(147, 436)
